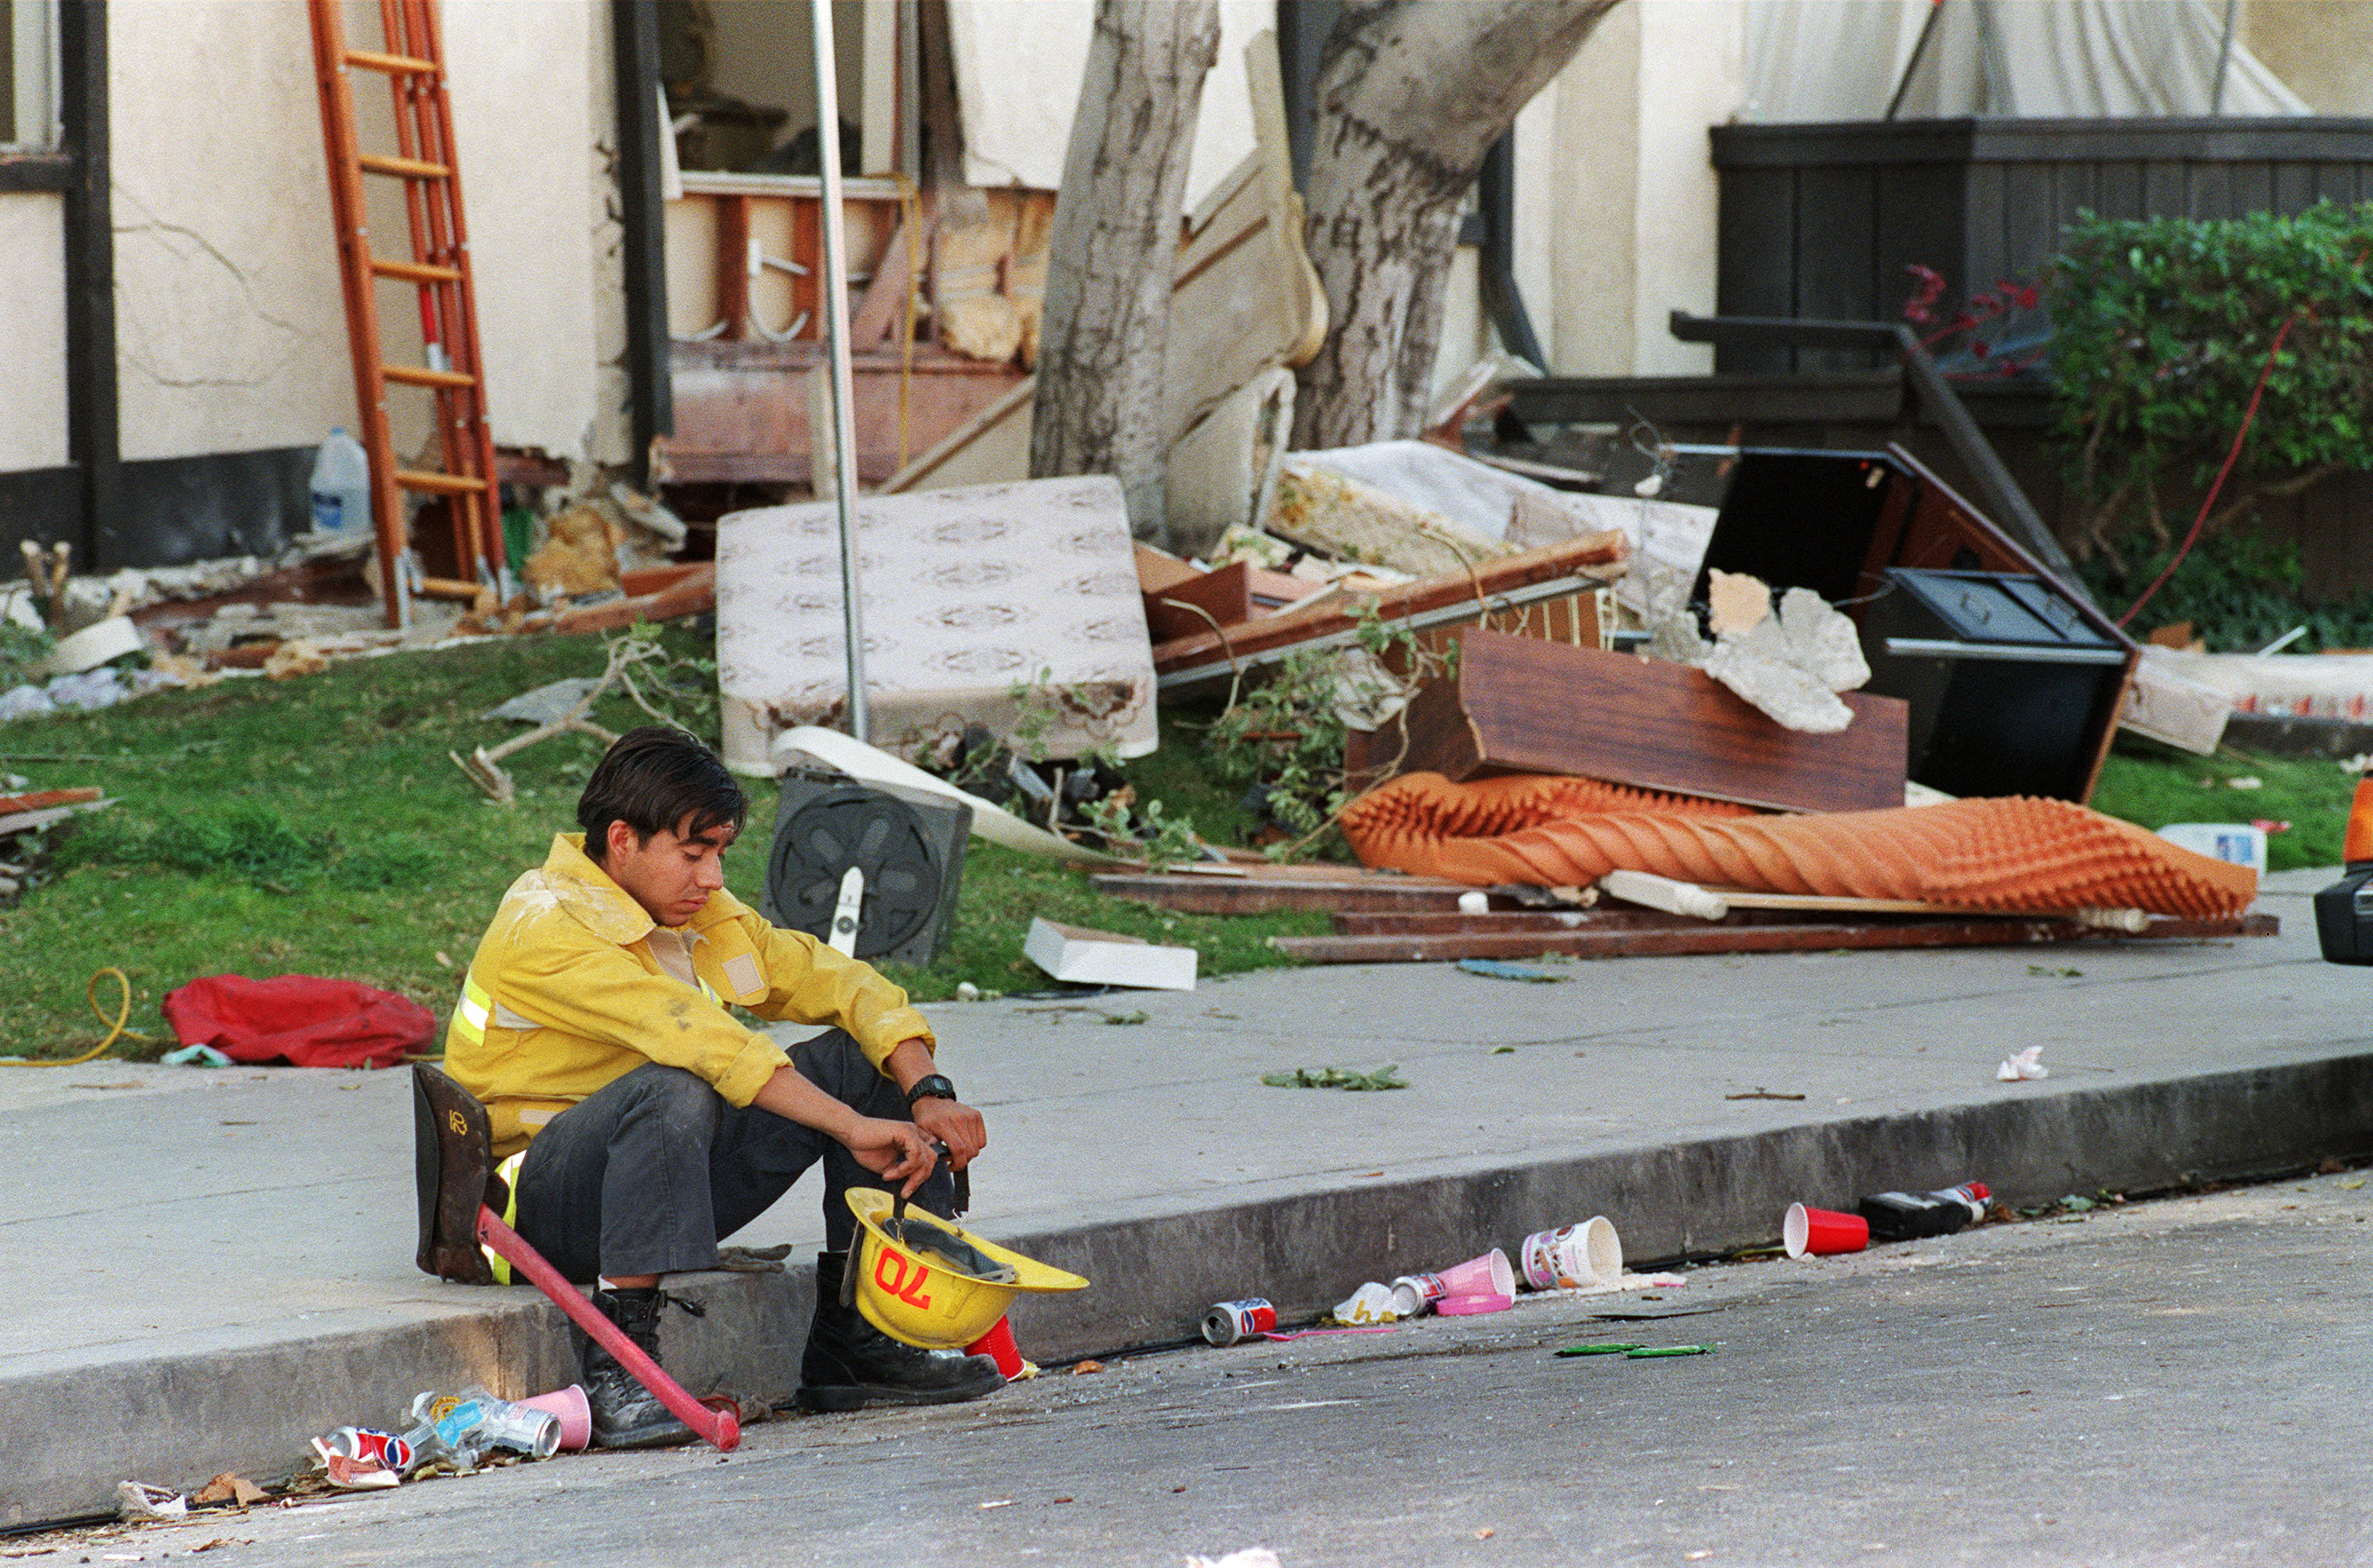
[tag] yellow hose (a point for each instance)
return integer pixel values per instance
(115, 1030)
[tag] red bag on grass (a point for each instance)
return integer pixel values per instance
(310, 1020)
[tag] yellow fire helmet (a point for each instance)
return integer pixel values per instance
(928, 1282)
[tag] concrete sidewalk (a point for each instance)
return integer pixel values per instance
(205, 1268)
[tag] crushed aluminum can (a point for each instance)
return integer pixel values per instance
(363, 1443)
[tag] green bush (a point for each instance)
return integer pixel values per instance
(2161, 328)
(2240, 591)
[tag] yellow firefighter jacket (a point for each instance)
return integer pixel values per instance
(565, 993)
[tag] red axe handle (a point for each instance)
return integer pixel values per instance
(721, 1428)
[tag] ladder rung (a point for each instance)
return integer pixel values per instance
(421, 376)
(393, 64)
(403, 168)
(418, 272)
(443, 484)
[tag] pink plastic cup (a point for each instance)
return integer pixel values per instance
(1489, 1275)
(1820, 1232)
(576, 1415)
(998, 1344)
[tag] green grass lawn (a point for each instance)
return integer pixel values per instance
(317, 826)
(2154, 785)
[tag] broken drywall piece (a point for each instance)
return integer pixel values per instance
(1790, 665)
(1081, 956)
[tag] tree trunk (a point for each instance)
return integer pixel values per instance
(1115, 246)
(1411, 94)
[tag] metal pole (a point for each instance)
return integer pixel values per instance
(833, 283)
(2224, 59)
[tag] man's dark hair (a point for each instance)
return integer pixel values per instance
(657, 778)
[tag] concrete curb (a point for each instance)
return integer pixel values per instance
(179, 1420)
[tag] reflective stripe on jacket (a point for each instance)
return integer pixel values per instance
(564, 994)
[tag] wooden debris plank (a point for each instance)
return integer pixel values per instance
(1699, 937)
(1258, 893)
(695, 591)
(40, 800)
(1598, 553)
(1521, 705)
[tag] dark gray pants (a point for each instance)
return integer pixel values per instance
(648, 1174)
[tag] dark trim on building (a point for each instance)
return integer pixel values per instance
(92, 412)
(2286, 138)
(36, 171)
(635, 28)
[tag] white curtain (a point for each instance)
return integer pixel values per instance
(1823, 60)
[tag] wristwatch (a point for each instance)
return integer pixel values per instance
(931, 1087)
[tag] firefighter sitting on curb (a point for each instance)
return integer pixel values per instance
(593, 1024)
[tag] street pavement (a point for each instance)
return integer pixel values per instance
(2174, 1382)
(206, 1268)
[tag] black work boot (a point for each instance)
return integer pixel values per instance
(627, 1414)
(850, 1364)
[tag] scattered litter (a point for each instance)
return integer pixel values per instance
(1250, 1557)
(1616, 1349)
(2240, 843)
(1474, 904)
(1372, 1303)
(1911, 1216)
(347, 1474)
(2075, 1204)
(2025, 1064)
(1385, 1077)
(1495, 969)
(1137, 1017)
(1414, 1294)
(1763, 1094)
(1645, 1353)
(1081, 1369)
(195, 1056)
(546, 704)
(1474, 1304)
(136, 1500)
(1821, 1232)
(1571, 1257)
(1231, 1321)
(231, 1487)
(2351, 1186)
(998, 1503)
(2246, 781)
(1503, 1050)
(2054, 972)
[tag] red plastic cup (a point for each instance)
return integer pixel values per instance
(998, 1344)
(1819, 1232)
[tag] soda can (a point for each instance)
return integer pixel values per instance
(362, 1442)
(1233, 1320)
(1412, 1293)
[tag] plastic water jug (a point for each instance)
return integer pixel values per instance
(341, 483)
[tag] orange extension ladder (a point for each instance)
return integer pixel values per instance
(439, 268)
